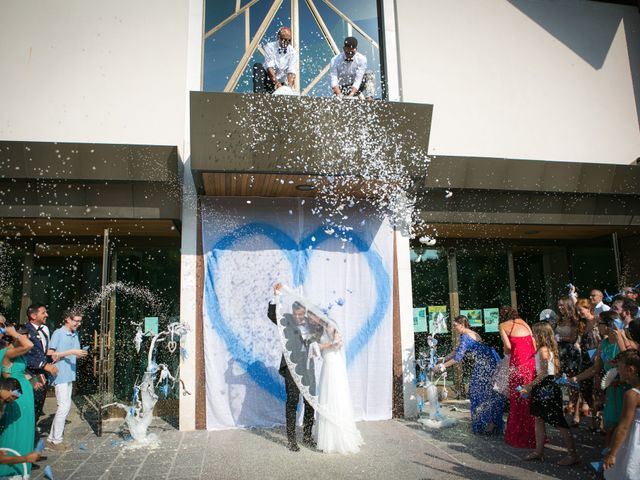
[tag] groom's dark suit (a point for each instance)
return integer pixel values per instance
(295, 344)
(36, 359)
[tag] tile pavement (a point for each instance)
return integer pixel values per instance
(395, 449)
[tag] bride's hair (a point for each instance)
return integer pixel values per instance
(311, 313)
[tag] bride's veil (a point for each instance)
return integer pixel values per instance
(301, 325)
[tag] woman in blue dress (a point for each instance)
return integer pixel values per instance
(487, 405)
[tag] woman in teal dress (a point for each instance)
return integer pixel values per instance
(18, 423)
(604, 359)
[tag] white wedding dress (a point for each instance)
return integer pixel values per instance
(336, 428)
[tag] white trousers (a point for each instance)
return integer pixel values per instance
(63, 399)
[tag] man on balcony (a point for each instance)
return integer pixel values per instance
(280, 65)
(349, 72)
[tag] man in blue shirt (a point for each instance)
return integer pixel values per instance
(64, 348)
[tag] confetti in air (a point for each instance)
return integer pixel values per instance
(357, 155)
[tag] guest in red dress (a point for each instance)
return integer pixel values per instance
(518, 342)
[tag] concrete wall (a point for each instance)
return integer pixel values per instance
(544, 79)
(93, 71)
(189, 250)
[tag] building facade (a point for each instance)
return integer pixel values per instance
(529, 110)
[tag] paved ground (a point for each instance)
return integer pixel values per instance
(394, 450)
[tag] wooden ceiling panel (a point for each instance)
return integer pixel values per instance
(276, 185)
(255, 185)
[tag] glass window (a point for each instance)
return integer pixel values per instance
(532, 284)
(11, 271)
(430, 282)
(593, 267)
(230, 41)
(158, 270)
(483, 282)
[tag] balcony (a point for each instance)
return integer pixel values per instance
(265, 145)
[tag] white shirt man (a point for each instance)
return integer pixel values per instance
(280, 65)
(283, 60)
(348, 69)
(595, 297)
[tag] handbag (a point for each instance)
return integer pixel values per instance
(500, 380)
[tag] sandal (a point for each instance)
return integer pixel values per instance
(534, 456)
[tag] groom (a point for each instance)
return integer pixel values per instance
(296, 339)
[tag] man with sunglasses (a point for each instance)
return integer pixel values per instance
(280, 65)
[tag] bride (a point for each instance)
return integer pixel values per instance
(336, 428)
(307, 343)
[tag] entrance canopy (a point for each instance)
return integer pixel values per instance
(78, 189)
(264, 145)
(498, 191)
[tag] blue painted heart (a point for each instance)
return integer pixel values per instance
(298, 255)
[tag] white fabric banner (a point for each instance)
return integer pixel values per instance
(249, 245)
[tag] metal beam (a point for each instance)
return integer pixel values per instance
(348, 20)
(313, 82)
(616, 256)
(323, 27)
(512, 279)
(454, 310)
(229, 19)
(295, 37)
(233, 80)
(102, 360)
(247, 29)
(27, 282)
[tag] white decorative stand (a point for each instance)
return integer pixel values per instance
(140, 413)
(436, 419)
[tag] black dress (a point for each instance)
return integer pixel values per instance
(546, 402)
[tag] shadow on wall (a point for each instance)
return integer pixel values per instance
(588, 29)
